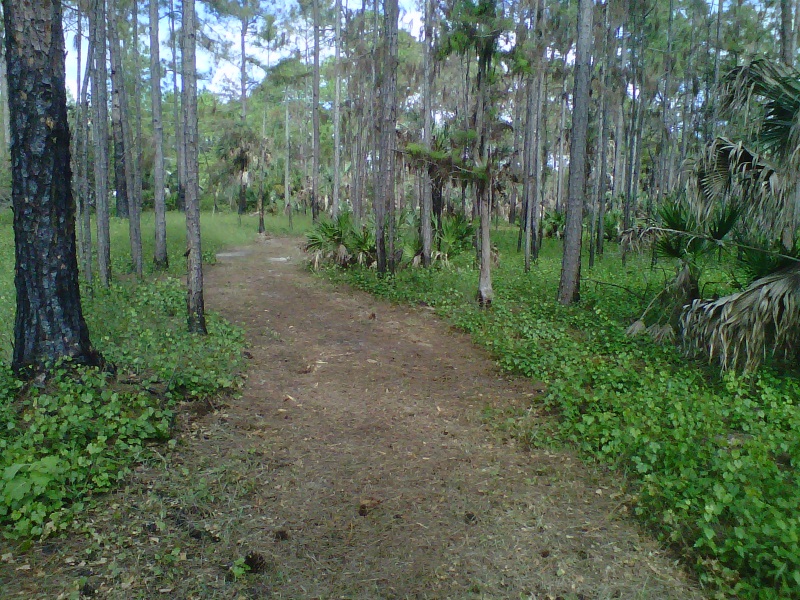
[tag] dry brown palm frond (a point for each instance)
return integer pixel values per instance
(637, 239)
(741, 330)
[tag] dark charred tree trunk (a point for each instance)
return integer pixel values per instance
(569, 286)
(194, 277)
(49, 321)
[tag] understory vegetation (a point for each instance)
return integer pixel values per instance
(80, 432)
(710, 460)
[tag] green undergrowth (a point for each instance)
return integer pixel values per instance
(79, 433)
(711, 461)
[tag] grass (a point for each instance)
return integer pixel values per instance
(711, 460)
(77, 434)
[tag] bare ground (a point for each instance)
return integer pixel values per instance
(356, 464)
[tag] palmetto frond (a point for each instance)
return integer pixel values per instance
(741, 330)
(732, 176)
(776, 89)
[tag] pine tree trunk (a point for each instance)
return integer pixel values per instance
(194, 300)
(529, 198)
(787, 35)
(120, 152)
(160, 257)
(128, 163)
(337, 110)
(287, 190)
(426, 225)
(177, 95)
(315, 155)
(97, 23)
(49, 321)
(4, 120)
(569, 286)
(136, 139)
(389, 129)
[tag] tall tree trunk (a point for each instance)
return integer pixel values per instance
(427, 135)
(129, 166)
(77, 127)
(4, 119)
(604, 137)
(244, 24)
(337, 109)
(136, 138)
(84, 212)
(194, 299)
(315, 155)
(160, 258)
(562, 128)
(97, 24)
(287, 190)
(49, 321)
(787, 35)
(569, 286)
(177, 94)
(389, 135)
(121, 168)
(529, 197)
(485, 293)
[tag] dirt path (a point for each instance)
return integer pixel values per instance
(382, 475)
(355, 465)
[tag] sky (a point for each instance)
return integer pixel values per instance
(217, 73)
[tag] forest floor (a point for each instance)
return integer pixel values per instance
(357, 463)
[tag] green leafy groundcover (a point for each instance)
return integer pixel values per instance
(79, 433)
(712, 462)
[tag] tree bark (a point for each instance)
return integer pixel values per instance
(569, 286)
(82, 185)
(160, 257)
(177, 95)
(389, 129)
(426, 228)
(49, 323)
(287, 191)
(787, 35)
(128, 163)
(337, 109)
(194, 299)
(97, 18)
(315, 155)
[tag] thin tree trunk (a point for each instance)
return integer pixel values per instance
(427, 134)
(569, 286)
(604, 137)
(194, 302)
(180, 157)
(49, 321)
(388, 157)
(4, 117)
(75, 152)
(485, 293)
(337, 110)
(121, 101)
(315, 155)
(287, 192)
(136, 147)
(100, 129)
(529, 198)
(787, 35)
(160, 257)
(84, 215)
